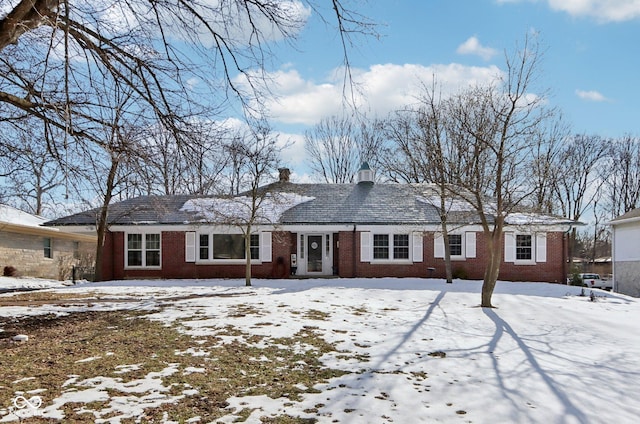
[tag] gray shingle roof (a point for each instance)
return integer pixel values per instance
(357, 204)
(632, 214)
(365, 203)
(143, 210)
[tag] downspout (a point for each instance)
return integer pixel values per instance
(614, 288)
(565, 248)
(354, 251)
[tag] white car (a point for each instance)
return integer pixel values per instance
(594, 281)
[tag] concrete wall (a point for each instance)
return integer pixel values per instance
(25, 252)
(627, 278)
(626, 257)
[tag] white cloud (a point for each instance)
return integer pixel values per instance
(473, 46)
(592, 96)
(381, 89)
(601, 10)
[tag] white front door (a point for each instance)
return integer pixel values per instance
(315, 254)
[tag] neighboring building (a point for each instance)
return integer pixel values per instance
(346, 230)
(626, 253)
(37, 251)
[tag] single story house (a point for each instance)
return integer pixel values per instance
(37, 251)
(626, 253)
(364, 229)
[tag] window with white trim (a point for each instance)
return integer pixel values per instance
(401, 246)
(381, 246)
(455, 244)
(227, 247)
(143, 250)
(47, 249)
(524, 247)
(391, 246)
(461, 245)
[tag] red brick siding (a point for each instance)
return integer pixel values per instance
(346, 256)
(174, 265)
(553, 270)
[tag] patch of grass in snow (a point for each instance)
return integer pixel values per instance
(237, 364)
(49, 296)
(315, 314)
(243, 310)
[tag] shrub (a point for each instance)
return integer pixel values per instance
(9, 271)
(460, 273)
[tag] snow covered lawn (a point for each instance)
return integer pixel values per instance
(326, 351)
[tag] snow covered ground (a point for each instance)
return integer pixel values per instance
(545, 354)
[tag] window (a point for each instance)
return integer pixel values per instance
(455, 244)
(254, 246)
(401, 246)
(152, 250)
(204, 246)
(390, 246)
(524, 245)
(76, 250)
(381, 246)
(48, 251)
(143, 250)
(462, 245)
(227, 246)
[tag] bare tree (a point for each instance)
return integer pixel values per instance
(547, 165)
(338, 145)
(32, 174)
(423, 154)
(258, 155)
(578, 180)
(54, 53)
(621, 175)
(493, 129)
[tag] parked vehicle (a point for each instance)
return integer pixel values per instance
(594, 281)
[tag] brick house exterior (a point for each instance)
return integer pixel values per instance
(346, 230)
(37, 251)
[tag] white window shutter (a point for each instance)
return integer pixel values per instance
(190, 246)
(417, 247)
(541, 247)
(470, 244)
(365, 246)
(265, 246)
(438, 246)
(509, 247)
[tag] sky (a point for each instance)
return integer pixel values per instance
(545, 354)
(590, 61)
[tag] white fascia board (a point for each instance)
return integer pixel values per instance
(624, 221)
(538, 228)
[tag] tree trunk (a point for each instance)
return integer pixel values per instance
(447, 253)
(247, 255)
(493, 268)
(101, 225)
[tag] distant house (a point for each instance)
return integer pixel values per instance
(37, 251)
(304, 230)
(626, 253)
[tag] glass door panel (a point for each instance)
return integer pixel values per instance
(314, 253)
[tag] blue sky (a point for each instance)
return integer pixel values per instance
(590, 64)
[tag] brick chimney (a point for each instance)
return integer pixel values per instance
(284, 175)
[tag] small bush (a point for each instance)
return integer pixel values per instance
(575, 280)
(9, 271)
(460, 273)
